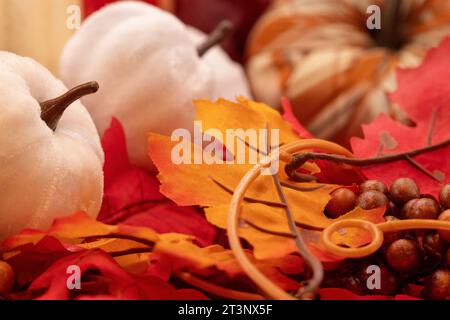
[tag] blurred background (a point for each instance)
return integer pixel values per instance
(320, 54)
(37, 28)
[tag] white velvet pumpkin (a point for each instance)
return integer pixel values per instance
(146, 63)
(43, 173)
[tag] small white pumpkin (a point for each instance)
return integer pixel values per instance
(229, 77)
(149, 71)
(44, 172)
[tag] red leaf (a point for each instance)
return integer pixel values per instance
(132, 195)
(176, 219)
(102, 278)
(339, 173)
(289, 116)
(424, 94)
(125, 184)
(329, 172)
(35, 259)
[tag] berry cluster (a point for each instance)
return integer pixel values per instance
(421, 257)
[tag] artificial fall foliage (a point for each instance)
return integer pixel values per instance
(212, 185)
(150, 234)
(132, 196)
(36, 256)
(424, 95)
(104, 279)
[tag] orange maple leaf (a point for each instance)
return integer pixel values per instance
(262, 214)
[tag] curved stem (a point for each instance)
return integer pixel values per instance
(52, 110)
(309, 291)
(215, 37)
(377, 233)
(233, 221)
(127, 252)
(121, 236)
(299, 159)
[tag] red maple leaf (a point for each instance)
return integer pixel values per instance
(102, 278)
(289, 116)
(424, 95)
(329, 172)
(132, 195)
(36, 258)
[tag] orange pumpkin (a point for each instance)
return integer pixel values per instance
(336, 72)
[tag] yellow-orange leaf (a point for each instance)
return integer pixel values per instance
(184, 254)
(76, 228)
(212, 185)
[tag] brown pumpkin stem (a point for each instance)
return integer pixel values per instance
(390, 34)
(215, 37)
(52, 110)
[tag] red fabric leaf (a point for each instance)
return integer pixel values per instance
(329, 172)
(35, 259)
(337, 173)
(102, 278)
(176, 219)
(424, 94)
(289, 116)
(125, 184)
(132, 195)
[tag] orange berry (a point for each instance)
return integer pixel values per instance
(6, 277)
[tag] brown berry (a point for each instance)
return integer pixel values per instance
(445, 216)
(433, 245)
(402, 255)
(393, 210)
(342, 201)
(437, 286)
(423, 208)
(389, 282)
(354, 285)
(444, 196)
(403, 190)
(6, 277)
(390, 237)
(407, 207)
(372, 199)
(374, 185)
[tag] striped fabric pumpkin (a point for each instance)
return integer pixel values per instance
(336, 72)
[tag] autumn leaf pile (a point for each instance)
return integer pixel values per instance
(162, 235)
